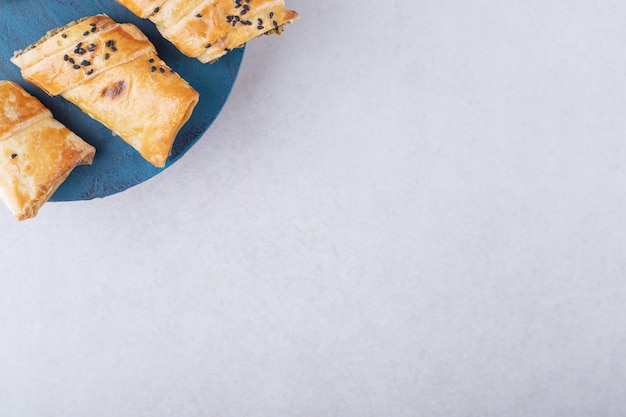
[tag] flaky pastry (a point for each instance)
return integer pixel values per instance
(208, 29)
(37, 152)
(112, 72)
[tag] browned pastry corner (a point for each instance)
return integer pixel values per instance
(112, 72)
(208, 29)
(37, 153)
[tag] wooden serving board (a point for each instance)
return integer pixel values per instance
(116, 166)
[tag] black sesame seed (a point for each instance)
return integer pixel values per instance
(63, 35)
(151, 60)
(113, 48)
(161, 70)
(71, 60)
(208, 45)
(271, 15)
(66, 58)
(76, 66)
(260, 27)
(13, 156)
(109, 43)
(93, 29)
(199, 15)
(246, 22)
(85, 63)
(90, 71)
(106, 56)
(157, 10)
(275, 24)
(153, 68)
(92, 47)
(86, 33)
(92, 25)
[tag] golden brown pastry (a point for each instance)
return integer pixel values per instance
(112, 72)
(37, 153)
(208, 29)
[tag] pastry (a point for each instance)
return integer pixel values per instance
(37, 152)
(112, 72)
(208, 29)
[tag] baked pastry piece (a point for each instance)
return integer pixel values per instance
(37, 153)
(208, 29)
(112, 72)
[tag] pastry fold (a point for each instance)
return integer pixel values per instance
(208, 29)
(37, 153)
(112, 72)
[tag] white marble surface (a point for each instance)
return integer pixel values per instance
(405, 209)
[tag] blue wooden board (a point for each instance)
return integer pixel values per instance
(116, 166)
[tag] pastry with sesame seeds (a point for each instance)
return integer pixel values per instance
(106, 69)
(208, 29)
(37, 152)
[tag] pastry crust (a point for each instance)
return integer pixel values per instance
(208, 29)
(143, 8)
(112, 72)
(37, 153)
